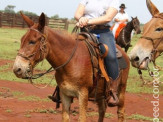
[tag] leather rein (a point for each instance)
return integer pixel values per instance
(42, 49)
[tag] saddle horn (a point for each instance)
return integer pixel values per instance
(152, 8)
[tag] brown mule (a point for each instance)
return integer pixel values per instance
(75, 79)
(150, 45)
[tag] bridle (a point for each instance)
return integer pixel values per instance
(42, 50)
(125, 31)
(153, 52)
(42, 47)
(134, 23)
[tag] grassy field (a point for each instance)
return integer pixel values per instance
(10, 43)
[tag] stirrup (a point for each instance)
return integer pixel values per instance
(54, 99)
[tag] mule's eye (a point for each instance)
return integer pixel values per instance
(32, 42)
(159, 29)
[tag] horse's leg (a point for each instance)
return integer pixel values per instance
(66, 102)
(122, 89)
(83, 103)
(101, 109)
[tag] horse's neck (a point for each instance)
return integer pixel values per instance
(129, 27)
(59, 47)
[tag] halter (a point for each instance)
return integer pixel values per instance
(135, 26)
(124, 31)
(42, 48)
(154, 50)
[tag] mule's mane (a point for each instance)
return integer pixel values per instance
(63, 34)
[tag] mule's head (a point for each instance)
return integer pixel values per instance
(136, 25)
(150, 45)
(32, 49)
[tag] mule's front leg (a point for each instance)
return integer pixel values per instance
(83, 103)
(66, 102)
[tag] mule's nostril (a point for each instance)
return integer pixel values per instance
(136, 58)
(18, 71)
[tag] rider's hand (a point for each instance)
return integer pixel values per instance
(83, 21)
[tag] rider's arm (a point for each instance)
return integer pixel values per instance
(110, 14)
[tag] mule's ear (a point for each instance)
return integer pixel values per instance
(132, 17)
(152, 8)
(41, 22)
(27, 20)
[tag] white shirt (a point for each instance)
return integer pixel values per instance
(122, 16)
(97, 8)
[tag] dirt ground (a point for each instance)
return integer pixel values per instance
(12, 109)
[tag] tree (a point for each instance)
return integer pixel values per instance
(27, 13)
(9, 9)
(55, 16)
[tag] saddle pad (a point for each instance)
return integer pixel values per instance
(121, 61)
(120, 27)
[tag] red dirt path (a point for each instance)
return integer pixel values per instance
(135, 104)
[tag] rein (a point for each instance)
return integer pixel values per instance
(51, 68)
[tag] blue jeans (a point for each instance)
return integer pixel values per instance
(111, 62)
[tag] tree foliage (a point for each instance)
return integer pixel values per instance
(27, 13)
(55, 16)
(9, 9)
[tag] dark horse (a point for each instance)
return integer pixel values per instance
(74, 79)
(124, 38)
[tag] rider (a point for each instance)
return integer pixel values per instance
(101, 13)
(120, 20)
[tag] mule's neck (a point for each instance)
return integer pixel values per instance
(60, 46)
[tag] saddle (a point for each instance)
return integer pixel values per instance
(97, 59)
(96, 56)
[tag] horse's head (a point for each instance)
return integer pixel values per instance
(136, 25)
(32, 49)
(150, 45)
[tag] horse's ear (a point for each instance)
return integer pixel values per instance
(27, 20)
(152, 8)
(132, 18)
(41, 22)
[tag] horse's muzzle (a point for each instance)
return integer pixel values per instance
(21, 68)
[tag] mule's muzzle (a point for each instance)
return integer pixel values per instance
(21, 68)
(22, 73)
(137, 63)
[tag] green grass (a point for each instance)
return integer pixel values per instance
(48, 111)
(33, 98)
(142, 118)
(10, 43)
(8, 110)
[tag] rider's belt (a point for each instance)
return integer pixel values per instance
(101, 27)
